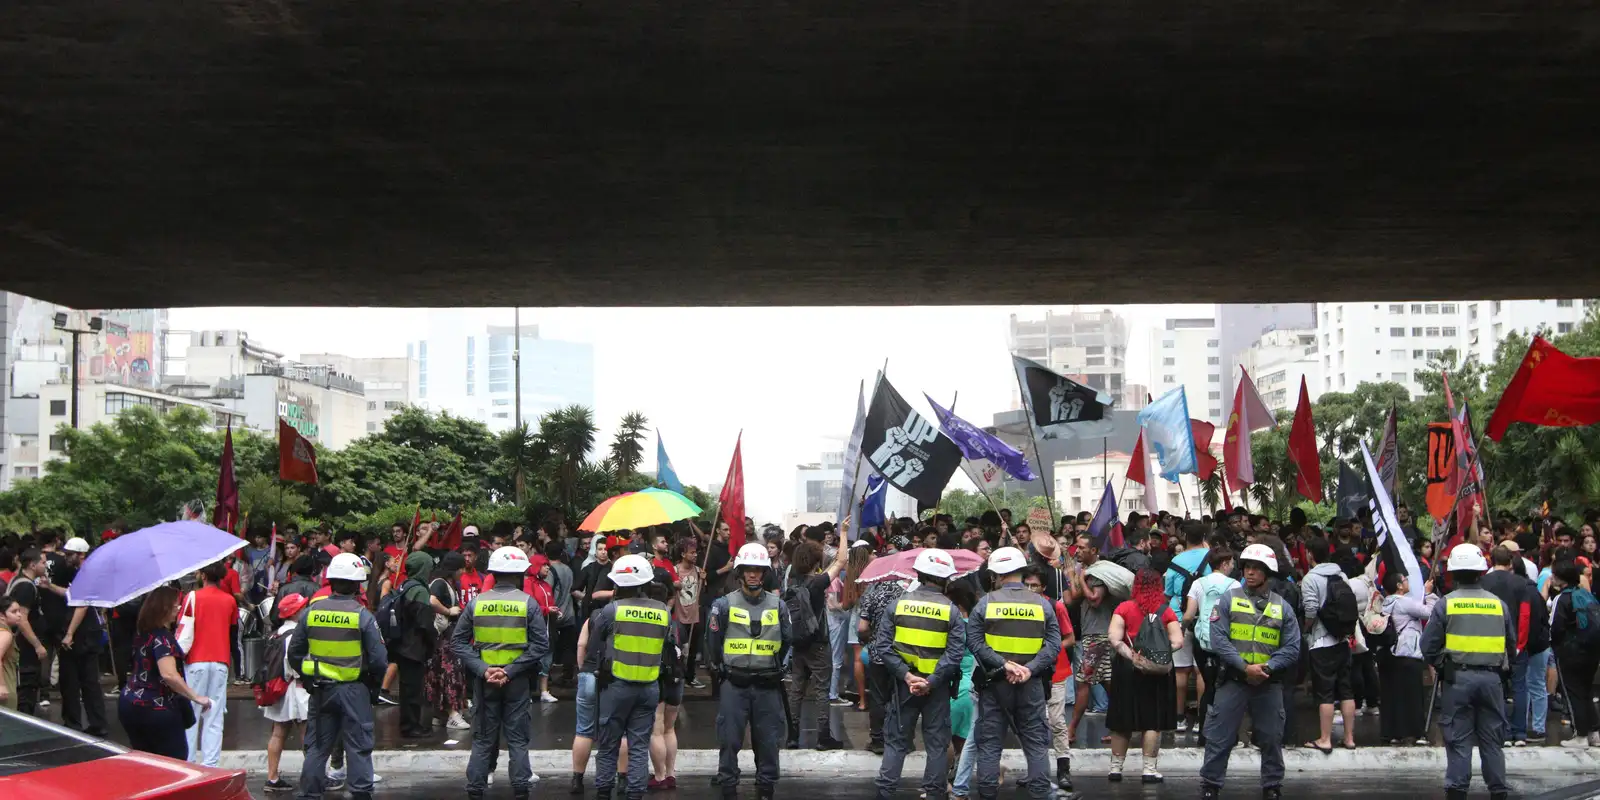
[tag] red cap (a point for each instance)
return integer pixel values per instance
(617, 541)
(290, 605)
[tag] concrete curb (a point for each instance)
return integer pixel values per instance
(1087, 763)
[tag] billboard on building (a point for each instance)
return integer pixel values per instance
(125, 352)
(298, 409)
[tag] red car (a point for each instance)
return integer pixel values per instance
(41, 761)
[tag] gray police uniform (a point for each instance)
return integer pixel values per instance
(1471, 639)
(746, 640)
(634, 631)
(921, 634)
(1012, 624)
(1249, 629)
(336, 642)
(501, 628)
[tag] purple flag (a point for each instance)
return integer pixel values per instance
(1103, 528)
(975, 444)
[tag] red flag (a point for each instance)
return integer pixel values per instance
(297, 457)
(1139, 471)
(1250, 413)
(1303, 450)
(450, 538)
(226, 511)
(732, 499)
(1551, 388)
(1205, 463)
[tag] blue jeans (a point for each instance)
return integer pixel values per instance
(1538, 692)
(210, 679)
(838, 640)
(1099, 700)
(588, 706)
(962, 785)
(1519, 698)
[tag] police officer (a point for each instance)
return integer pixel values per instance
(634, 632)
(1471, 640)
(747, 635)
(500, 638)
(338, 640)
(1013, 634)
(920, 639)
(1256, 643)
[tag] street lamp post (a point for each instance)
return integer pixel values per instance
(77, 323)
(516, 369)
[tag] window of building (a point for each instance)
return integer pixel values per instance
(1472, 312)
(58, 408)
(502, 415)
(1213, 395)
(1447, 331)
(1341, 337)
(1327, 340)
(1095, 350)
(393, 405)
(1416, 354)
(500, 401)
(1212, 343)
(1398, 377)
(58, 442)
(1341, 380)
(1416, 308)
(1077, 483)
(372, 405)
(1338, 314)
(1097, 483)
(1213, 360)
(1563, 327)
(1431, 308)
(1433, 355)
(1214, 378)
(1216, 413)
(500, 367)
(1397, 308)
(1416, 331)
(1563, 304)
(1168, 379)
(1397, 331)
(1324, 317)
(1094, 361)
(1447, 308)
(1397, 355)
(372, 427)
(1495, 309)
(1431, 331)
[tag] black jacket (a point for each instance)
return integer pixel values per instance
(1527, 608)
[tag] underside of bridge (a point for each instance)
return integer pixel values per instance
(701, 152)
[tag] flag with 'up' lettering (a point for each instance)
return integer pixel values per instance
(906, 448)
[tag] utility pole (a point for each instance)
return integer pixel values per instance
(516, 369)
(77, 323)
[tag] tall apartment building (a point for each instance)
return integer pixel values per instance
(465, 366)
(1187, 352)
(1277, 361)
(1240, 325)
(1365, 342)
(1089, 346)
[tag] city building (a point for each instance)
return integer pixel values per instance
(1088, 346)
(1012, 428)
(1080, 483)
(37, 419)
(1277, 361)
(390, 383)
(1240, 325)
(212, 356)
(1375, 342)
(1187, 352)
(817, 488)
(465, 366)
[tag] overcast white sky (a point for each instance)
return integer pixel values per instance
(786, 376)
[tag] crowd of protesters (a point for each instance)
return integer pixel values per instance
(172, 697)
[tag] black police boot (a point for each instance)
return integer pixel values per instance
(577, 783)
(825, 740)
(793, 742)
(764, 792)
(1213, 793)
(1268, 793)
(1455, 794)
(1064, 774)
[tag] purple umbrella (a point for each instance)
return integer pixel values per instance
(133, 564)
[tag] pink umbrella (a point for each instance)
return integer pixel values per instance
(897, 567)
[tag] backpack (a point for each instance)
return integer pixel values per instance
(1586, 612)
(1188, 582)
(391, 614)
(1338, 612)
(269, 684)
(802, 618)
(1152, 650)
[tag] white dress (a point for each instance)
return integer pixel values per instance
(295, 705)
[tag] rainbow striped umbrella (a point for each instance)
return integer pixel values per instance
(634, 510)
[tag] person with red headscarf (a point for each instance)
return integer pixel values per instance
(1143, 693)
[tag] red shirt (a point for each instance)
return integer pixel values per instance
(474, 583)
(215, 612)
(662, 563)
(229, 583)
(1132, 617)
(1063, 658)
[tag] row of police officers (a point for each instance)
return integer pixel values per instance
(920, 638)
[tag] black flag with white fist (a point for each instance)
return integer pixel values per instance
(906, 448)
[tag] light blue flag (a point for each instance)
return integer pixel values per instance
(1167, 432)
(664, 471)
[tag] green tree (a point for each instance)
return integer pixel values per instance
(627, 447)
(267, 501)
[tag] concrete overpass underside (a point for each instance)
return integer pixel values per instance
(600, 152)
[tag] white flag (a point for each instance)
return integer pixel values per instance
(1392, 542)
(985, 474)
